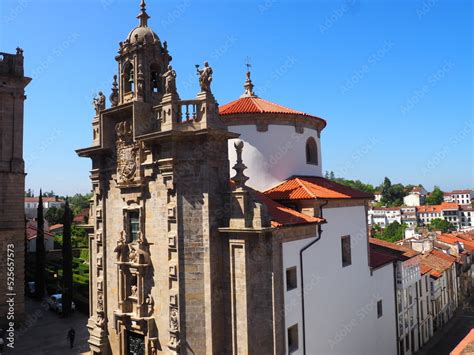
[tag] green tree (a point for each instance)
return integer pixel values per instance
(40, 252)
(54, 215)
(29, 193)
(394, 232)
(78, 202)
(436, 197)
(67, 261)
(392, 195)
(442, 225)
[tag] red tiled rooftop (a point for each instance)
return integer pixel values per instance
(398, 250)
(281, 215)
(379, 258)
(461, 192)
(31, 233)
(438, 262)
(437, 208)
(284, 216)
(312, 187)
(424, 268)
(465, 346)
(45, 199)
(254, 104)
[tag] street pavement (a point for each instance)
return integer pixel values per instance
(44, 332)
(453, 332)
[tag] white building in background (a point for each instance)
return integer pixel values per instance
(461, 197)
(383, 216)
(349, 299)
(31, 204)
(466, 217)
(416, 197)
(414, 326)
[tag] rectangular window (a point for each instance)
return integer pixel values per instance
(293, 338)
(291, 278)
(135, 344)
(346, 250)
(133, 218)
(379, 309)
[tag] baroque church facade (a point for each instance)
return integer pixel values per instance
(191, 252)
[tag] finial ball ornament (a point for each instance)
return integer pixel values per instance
(238, 144)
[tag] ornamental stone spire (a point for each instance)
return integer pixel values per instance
(143, 16)
(240, 179)
(248, 86)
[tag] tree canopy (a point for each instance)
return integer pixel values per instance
(436, 197)
(394, 232)
(441, 225)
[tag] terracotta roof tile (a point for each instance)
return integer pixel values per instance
(31, 233)
(437, 208)
(379, 257)
(281, 215)
(254, 104)
(284, 216)
(400, 251)
(438, 262)
(311, 187)
(465, 346)
(424, 268)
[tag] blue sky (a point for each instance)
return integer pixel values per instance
(394, 79)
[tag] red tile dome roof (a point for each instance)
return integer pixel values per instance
(256, 105)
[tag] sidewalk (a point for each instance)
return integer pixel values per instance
(44, 333)
(445, 340)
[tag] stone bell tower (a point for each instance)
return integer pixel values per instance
(12, 184)
(160, 182)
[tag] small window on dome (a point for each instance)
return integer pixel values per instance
(311, 151)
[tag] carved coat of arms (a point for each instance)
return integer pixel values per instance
(127, 153)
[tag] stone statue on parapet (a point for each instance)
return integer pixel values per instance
(170, 80)
(205, 77)
(99, 103)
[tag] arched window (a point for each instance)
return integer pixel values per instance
(311, 151)
(128, 78)
(155, 83)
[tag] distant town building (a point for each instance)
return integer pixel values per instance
(31, 236)
(461, 197)
(31, 204)
(416, 197)
(414, 323)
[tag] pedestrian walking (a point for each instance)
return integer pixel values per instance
(71, 334)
